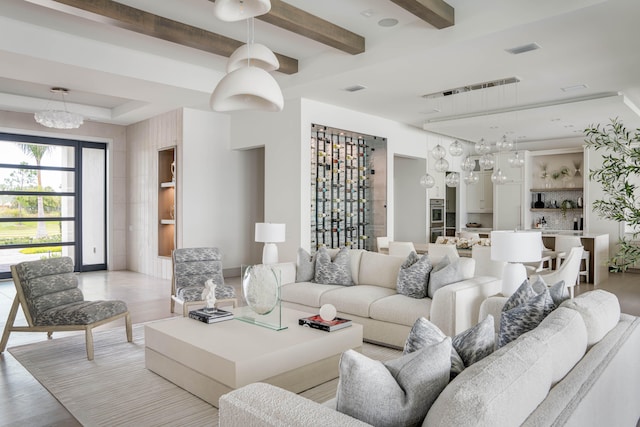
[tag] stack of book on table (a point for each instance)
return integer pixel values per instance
(210, 315)
(318, 322)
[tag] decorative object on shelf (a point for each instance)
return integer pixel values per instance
(564, 205)
(59, 119)
(618, 178)
(247, 84)
(539, 204)
(261, 290)
(577, 165)
(173, 171)
(456, 148)
(234, 10)
(269, 234)
(515, 247)
(209, 294)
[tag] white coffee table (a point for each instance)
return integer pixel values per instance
(210, 360)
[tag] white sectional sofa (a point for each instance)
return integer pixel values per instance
(579, 367)
(387, 316)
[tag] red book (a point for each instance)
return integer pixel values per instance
(317, 322)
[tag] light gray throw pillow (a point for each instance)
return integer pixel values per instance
(524, 317)
(443, 274)
(336, 272)
(468, 346)
(305, 266)
(413, 277)
(394, 393)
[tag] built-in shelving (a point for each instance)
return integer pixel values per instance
(341, 203)
(166, 201)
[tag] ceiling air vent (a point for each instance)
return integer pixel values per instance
(523, 49)
(469, 88)
(354, 88)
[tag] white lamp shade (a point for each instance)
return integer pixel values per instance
(270, 233)
(254, 55)
(237, 10)
(247, 88)
(516, 246)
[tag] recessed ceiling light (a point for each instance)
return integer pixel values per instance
(368, 13)
(574, 87)
(355, 88)
(493, 127)
(523, 49)
(555, 119)
(388, 22)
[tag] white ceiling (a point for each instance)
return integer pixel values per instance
(117, 76)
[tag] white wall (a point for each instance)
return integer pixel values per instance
(222, 192)
(286, 137)
(410, 200)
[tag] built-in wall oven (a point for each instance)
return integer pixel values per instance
(436, 218)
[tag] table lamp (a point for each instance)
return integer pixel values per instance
(515, 247)
(270, 234)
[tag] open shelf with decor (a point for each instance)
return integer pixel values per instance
(166, 201)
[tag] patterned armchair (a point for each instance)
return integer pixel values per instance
(48, 293)
(192, 267)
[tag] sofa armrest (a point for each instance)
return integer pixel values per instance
(287, 272)
(263, 405)
(455, 307)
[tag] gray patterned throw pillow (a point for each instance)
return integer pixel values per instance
(337, 272)
(413, 277)
(394, 393)
(443, 274)
(305, 266)
(524, 317)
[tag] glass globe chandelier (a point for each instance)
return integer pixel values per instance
(456, 149)
(471, 178)
(504, 144)
(442, 165)
(482, 147)
(427, 181)
(497, 177)
(452, 179)
(59, 119)
(487, 161)
(438, 152)
(468, 164)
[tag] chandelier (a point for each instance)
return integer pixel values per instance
(59, 119)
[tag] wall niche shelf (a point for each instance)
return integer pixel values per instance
(166, 201)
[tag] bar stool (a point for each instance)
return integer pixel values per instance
(564, 245)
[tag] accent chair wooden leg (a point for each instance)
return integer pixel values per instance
(173, 305)
(127, 322)
(89, 339)
(9, 325)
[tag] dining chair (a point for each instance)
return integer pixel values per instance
(562, 247)
(568, 271)
(401, 249)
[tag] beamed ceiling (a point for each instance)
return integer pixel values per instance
(128, 60)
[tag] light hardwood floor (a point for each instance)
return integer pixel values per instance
(23, 401)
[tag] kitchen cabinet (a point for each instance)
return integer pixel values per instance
(480, 195)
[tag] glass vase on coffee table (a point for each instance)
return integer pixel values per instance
(261, 291)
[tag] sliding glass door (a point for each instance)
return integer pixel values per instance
(43, 187)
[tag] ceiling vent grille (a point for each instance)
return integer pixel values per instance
(354, 88)
(523, 49)
(470, 88)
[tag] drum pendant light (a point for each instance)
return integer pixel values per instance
(237, 10)
(247, 88)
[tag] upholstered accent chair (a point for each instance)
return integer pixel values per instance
(192, 267)
(47, 290)
(568, 271)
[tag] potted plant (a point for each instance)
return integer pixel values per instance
(620, 167)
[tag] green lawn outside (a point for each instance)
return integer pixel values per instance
(26, 229)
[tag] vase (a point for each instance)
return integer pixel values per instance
(261, 288)
(539, 204)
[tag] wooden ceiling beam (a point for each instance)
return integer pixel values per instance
(298, 21)
(117, 14)
(436, 12)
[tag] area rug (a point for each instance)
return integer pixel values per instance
(115, 389)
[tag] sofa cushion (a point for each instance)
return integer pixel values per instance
(445, 273)
(400, 309)
(355, 300)
(565, 333)
(306, 293)
(305, 266)
(524, 317)
(336, 272)
(394, 393)
(500, 390)
(413, 276)
(600, 311)
(379, 269)
(424, 334)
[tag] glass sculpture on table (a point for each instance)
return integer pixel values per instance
(261, 291)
